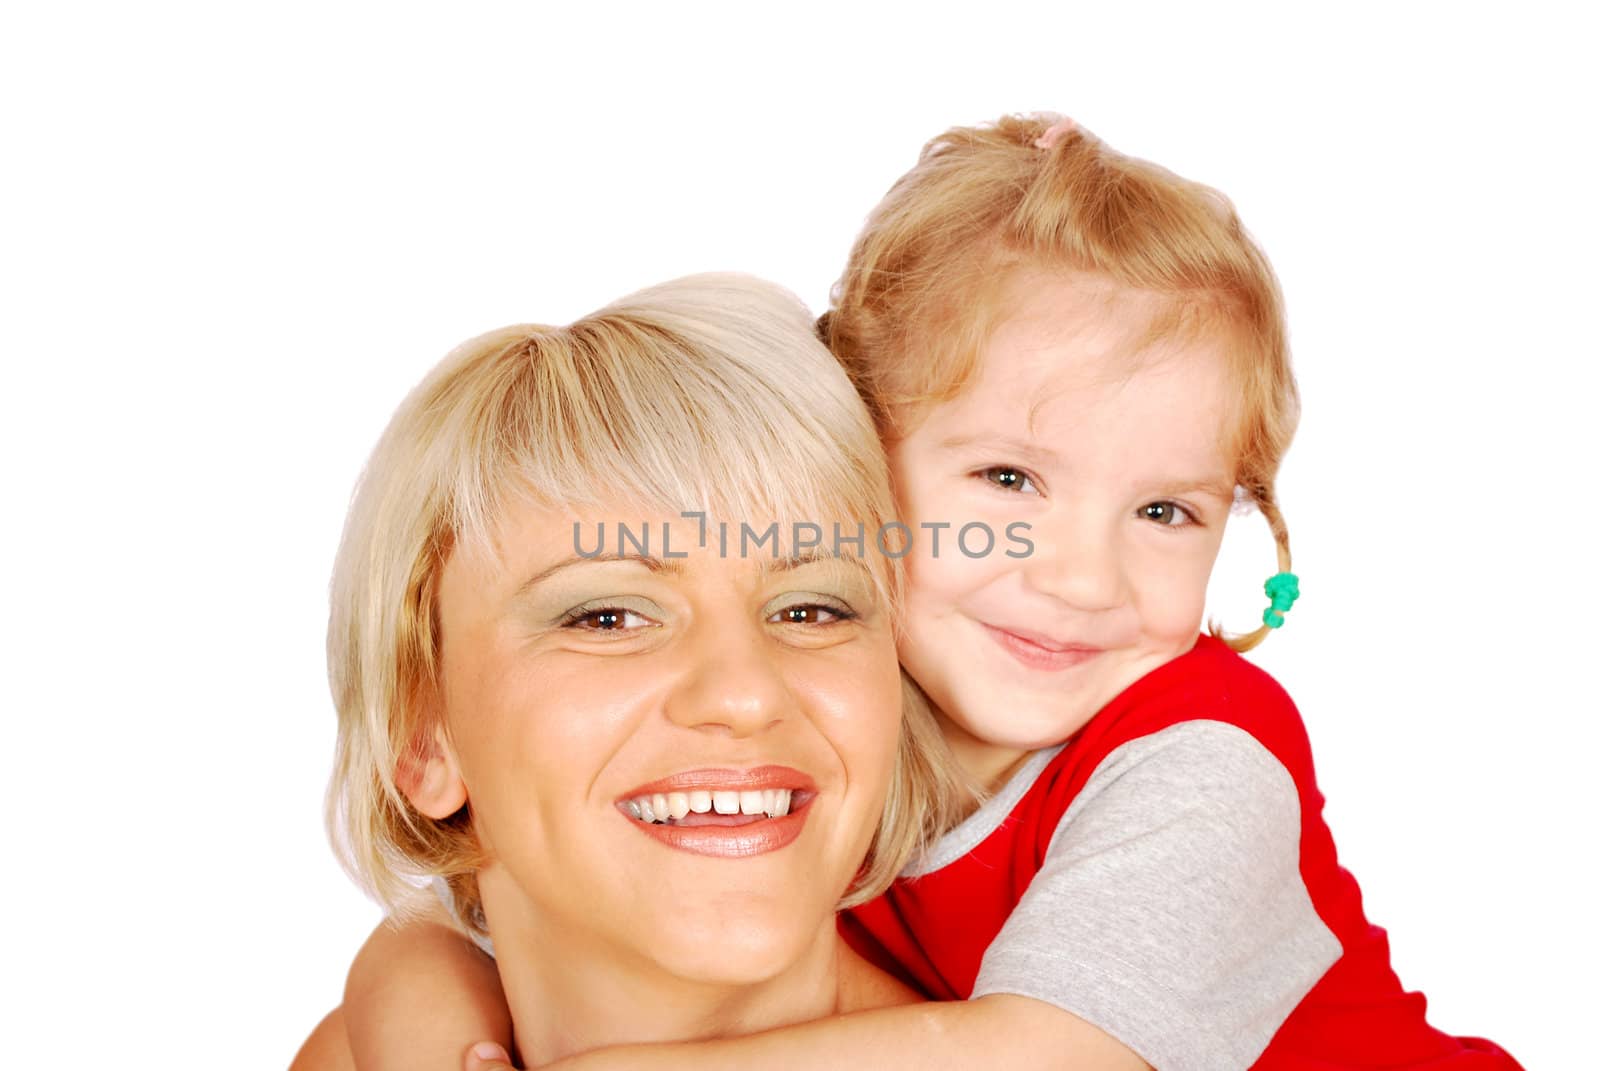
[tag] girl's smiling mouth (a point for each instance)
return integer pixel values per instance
(1038, 652)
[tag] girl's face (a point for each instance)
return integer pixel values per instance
(604, 717)
(1108, 446)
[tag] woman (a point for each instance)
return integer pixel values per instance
(586, 579)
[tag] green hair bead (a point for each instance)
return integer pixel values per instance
(1283, 589)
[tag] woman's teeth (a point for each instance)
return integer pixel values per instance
(661, 806)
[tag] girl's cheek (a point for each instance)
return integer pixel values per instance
(1174, 602)
(949, 575)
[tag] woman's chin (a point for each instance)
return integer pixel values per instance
(735, 939)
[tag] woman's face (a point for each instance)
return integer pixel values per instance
(582, 696)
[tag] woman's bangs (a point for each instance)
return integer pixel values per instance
(623, 414)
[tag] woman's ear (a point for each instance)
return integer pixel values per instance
(428, 775)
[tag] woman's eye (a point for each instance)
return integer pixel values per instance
(1169, 514)
(1010, 479)
(606, 619)
(810, 613)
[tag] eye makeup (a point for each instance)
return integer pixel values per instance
(644, 612)
(840, 585)
(560, 599)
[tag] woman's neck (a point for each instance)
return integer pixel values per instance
(567, 995)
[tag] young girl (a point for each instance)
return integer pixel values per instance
(1066, 344)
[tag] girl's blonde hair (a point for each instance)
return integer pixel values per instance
(709, 393)
(925, 283)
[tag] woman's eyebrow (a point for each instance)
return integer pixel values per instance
(668, 567)
(675, 567)
(793, 562)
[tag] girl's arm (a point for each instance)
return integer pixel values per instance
(992, 1031)
(418, 994)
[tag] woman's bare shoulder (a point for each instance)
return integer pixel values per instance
(328, 1047)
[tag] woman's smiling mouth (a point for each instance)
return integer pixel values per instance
(728, 813)
(702, 807)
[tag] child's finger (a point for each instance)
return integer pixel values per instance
(488, 1056)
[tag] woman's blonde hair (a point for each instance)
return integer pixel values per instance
(709, 393)
(925, 283)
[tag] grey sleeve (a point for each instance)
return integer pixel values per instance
(1170, 911)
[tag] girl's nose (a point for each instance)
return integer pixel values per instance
(1080, 563)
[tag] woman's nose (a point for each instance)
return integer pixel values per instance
(733, 683)
(1080, 563)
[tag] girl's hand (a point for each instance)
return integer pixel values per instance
(492, 1056)
(488, 1056)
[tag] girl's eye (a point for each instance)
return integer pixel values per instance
(606, 619)
(811, 613)
(1167, 514)
(1010, 479)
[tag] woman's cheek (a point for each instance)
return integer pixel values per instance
(854, 697)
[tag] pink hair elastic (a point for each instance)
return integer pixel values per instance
(1061, 129)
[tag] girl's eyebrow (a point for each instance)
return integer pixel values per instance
(1214, 485)
(1034, 453)
(1206, 483)
(1029, 451)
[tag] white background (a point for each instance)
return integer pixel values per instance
(233, 238)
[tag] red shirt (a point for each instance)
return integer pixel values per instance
(933, 930)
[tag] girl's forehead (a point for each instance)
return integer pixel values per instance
(1097, 392)
(1073, 325)
(1102, 371)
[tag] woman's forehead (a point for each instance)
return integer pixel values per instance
(531, 538)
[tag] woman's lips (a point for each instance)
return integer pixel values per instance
(1037, 653)
(713, 779)
(725, 813)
